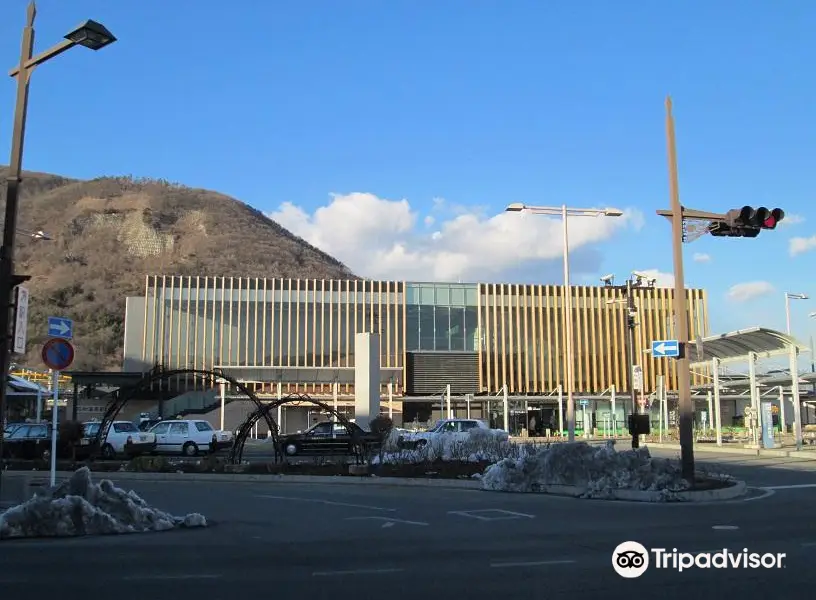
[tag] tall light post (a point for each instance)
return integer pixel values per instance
(89, 34)
(565, 212)
(788, 297)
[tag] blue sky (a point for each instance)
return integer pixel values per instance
(392, 132)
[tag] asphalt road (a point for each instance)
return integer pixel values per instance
(338, 541)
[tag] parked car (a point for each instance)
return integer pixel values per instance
(327, 437)
(189, 437)
(122, 438)
(31, 441)
(456, 429)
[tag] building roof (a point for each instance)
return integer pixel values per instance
(17, 386)
(735, 346)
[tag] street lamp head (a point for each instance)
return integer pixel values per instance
(612, 212)
(797, 296)
(515, 207)
(608, 280)
(92, 35)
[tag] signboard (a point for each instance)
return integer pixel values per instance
(583, 402)
(57, 354)
(637, 377)
(665, 349)
(21, 320)
(767, 425)
(60, 327)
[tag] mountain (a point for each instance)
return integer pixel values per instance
(108, 233)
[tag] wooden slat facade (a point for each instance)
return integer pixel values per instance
(517, 331)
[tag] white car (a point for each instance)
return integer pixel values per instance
(454, 429)
(122, 437)
(189, 437)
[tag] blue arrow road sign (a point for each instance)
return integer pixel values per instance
(60, 327)
(665, 349)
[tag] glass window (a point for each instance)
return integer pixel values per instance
(426, 328)
(160, 428)
(442, 327)
(457, 296)
(468, 425)
(472, 296)
(20, 433)
(179, 429)
(471, 330)
(411, 328)
(427, 294)
(124, 427)
(38, 431)
(203, 426)
(411, 294)
(443, 295)
(321, 429)
(457, 329)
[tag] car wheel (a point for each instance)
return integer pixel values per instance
(290, 449)
(108, 452)
(189, 449)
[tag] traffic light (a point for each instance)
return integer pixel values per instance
(746, 222)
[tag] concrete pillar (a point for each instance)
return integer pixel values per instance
(366, 378)
(752, 382)
(614, 416)
(715, 370)
(783, 426)
(797, 405)
(506, 402)
(280, 408)
(561, 410)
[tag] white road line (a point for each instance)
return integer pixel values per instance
(725, 527)
(170, 577)
(765, 494)
(537, 563)
(504, 515)
(800, 486)
(389, 522)
(329, 502)
(355, 572)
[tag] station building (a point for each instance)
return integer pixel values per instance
(473, 341)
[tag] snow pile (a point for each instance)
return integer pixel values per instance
(598, 469)
(478, 446)
(81, 507)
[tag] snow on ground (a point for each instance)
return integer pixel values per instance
(80, 507)
(598, 468)
(478, 446)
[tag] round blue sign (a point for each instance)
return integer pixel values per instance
(58, 354)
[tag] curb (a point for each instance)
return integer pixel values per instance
(272, 479)
(576, 491)
(759, 452)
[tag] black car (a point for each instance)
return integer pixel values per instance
(328, 437)
(31, 441)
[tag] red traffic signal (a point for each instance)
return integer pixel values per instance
(773, 218)
(747, 222)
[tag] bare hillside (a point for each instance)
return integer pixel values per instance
(108, 233)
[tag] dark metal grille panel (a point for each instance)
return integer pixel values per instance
(429, 372)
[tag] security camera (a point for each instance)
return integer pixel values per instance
(640, 275)
(608, 279)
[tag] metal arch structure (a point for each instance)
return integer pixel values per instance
(159, 373)
(262, 412)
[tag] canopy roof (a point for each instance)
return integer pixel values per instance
(278, 374)
(735, 346)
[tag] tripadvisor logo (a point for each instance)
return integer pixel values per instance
(631, 559)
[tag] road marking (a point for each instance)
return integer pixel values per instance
(800, 486)
(765, 494)
(355, 572)
(389, 522)
(507, 514)
(725, 527)
(329, 502)
(538, 563)
(171, 577)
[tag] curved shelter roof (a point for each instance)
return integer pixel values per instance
(737, 345)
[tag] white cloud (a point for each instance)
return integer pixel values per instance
(701, 257)
(744, 292)
(800, 245)
(791, 220)
(663, 280)
(377, 237)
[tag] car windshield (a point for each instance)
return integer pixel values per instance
(124, 427)
(203, 426)
(437, 426)
(91, 428)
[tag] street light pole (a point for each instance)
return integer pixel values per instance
(788, 298)
(565, 212)
(89, 34)
(686, 409)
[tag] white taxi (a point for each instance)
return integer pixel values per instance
(189, 437)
